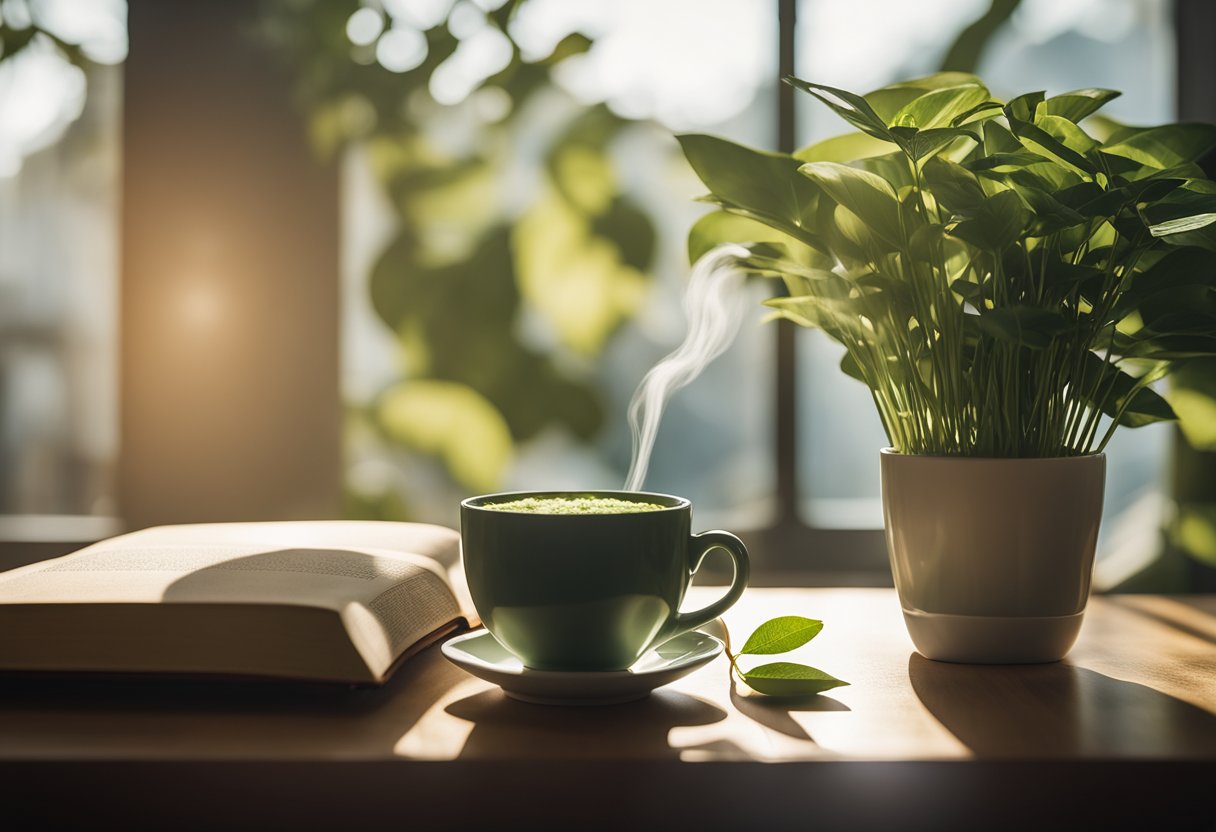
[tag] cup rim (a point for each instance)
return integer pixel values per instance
(678, 503)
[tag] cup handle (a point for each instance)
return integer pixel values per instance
(703, 544)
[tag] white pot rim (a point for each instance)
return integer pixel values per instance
(894, 454)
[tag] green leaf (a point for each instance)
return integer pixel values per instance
(781, 635)
(789, 679)
(1091, 201)
(1165, 146)
(1146, 407)
(1181, 225)
(859, 236)
(893, 167)
(1172, 347)
(1118, 390)
(969, 117)
(719, 227)
(998, 139)
(995, 223)
(953, 185)
(851, 107)
(773, 222)
(839, 243)
(1038, 183)
(1025, 107)
(754, 179)
(1180, 211)
(1078, 104)
(847, 148)
(939, 108)
(1083, 198)
(850, 367)
(921, 144)
(1038, 140)
(764, 186)
(868, 196)
(970, 292)
(1063, 277)
(996, 165)
(1069, 134)
(1047, 214)
(1047, 176)
(1026, 326)
(1204, 237)
(889, 100)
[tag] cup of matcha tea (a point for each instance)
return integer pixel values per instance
(588, 580)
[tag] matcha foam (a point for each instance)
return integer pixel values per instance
(573, 505)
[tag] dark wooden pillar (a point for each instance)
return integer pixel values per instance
(229, 320)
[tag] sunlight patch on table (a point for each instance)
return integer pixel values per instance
(438, 735)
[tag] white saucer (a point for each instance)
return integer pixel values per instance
(480, 654)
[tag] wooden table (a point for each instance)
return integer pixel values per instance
(1123, 732)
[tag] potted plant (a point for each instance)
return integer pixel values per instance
(1009, 285)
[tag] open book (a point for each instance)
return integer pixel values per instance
(341, 601)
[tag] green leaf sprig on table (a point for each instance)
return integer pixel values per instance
(786, 679)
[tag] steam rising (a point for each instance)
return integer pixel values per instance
(713, 307)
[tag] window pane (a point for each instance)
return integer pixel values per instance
(1055, 45)
(59, 163)
(716, 76)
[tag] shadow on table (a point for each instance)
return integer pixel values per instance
(506, 728)
(777, 713)
(1058, 710)
(241, 717)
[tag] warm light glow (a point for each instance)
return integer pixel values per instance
(200, 306)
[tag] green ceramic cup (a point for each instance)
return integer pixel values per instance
(592, 591)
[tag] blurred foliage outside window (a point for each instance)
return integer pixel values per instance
(517, 249)
(59, 163)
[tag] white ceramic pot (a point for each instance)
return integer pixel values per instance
(992, 558)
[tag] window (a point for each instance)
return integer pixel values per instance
(715, 442)
(863, 44)
(469, 140)
(59, 163)
(718, 449)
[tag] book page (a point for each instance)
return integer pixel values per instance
(399, 616)
(319, 563)
(385, 599)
